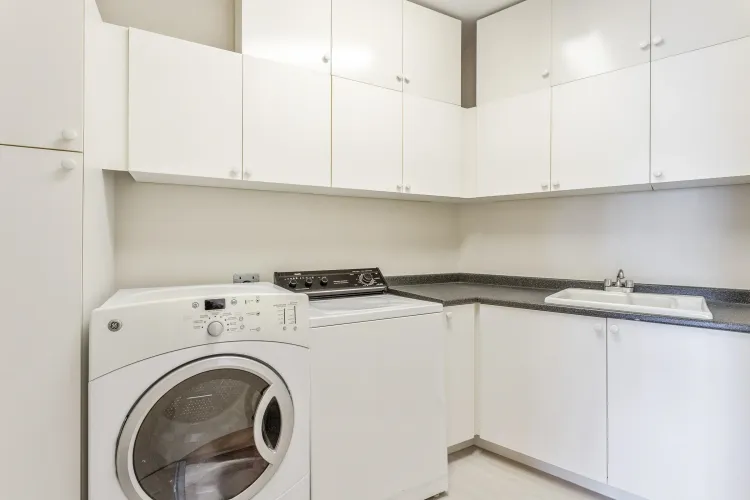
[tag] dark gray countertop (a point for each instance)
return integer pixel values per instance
(732, 316)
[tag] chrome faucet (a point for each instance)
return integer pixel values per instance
(620, 284)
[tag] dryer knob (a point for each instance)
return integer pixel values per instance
(215, 328)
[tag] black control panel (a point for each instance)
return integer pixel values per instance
(336, 283)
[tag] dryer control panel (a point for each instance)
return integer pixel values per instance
(333, 283)
(243, 314)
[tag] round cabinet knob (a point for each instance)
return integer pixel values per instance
(215, 328)
(658, 174)
(247, 175)
(406, 80)
(657, 40)
(556, 184)
(614, 329)
(545, 185)
(324, 281)
(545, 73)
(309, 282)
(408, 188)
(399, 78)
(448, 315)
(69, 164)
(645, 45)
(598, 328)
(326, 58)
(399, 187)
(233, 174)
(70, 134)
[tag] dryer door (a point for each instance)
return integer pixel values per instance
(214, 429)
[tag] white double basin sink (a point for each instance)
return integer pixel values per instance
(681, 306)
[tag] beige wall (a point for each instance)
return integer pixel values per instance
(174, 235)
(688, 237)
(210, 22)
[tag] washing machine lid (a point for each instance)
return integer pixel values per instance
(367, 308)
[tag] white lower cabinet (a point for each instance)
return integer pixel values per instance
(679, 407)
(287, 124)
(601, 131)
(367, 137)
(432, 147)
(513, 145)
(543, 387)
(701, 114)
(459, 372)
(41, 197)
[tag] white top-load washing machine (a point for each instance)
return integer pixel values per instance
(200, 393)
(378, 421)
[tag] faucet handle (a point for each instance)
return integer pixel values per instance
(630, 284)
(607, 283)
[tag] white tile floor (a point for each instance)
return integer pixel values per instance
(480, 475)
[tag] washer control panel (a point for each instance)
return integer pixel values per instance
(333, 283)
(219, 316)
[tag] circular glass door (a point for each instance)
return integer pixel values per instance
(215, 429)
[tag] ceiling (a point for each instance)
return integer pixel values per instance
(468, 10)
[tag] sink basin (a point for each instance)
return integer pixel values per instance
(681, 306)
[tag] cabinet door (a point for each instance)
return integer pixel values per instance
(459, 372)
(513, 51)
(591, 37)
(513, 145)
(40, 300)
(701, 114)
(368, 41)
(287, 124)
(678, 411)
(367, 137)
(185, 107)
(295, 32)
(542, 388)
(600, 131)
(432, 54)
(679, 26)
(41, 87)
(433, 133)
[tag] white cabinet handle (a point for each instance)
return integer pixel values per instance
(233, 174)
(399, 187)
(556, 184)
(399, 78)
(448, 315)
(598, 328)
(247, 175)
(614, 329)
(70, 134)
(69, 164)
(408, 188)
(658, 174)
(545, 185)
(545, 73)
(645, 45)
(406, 80)
(657, 40)
(326, 58)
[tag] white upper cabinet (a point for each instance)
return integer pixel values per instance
(591, 37)
(513, 145)
(295, 32)
(432, 147)
(600, 131)
(368, 41)
(41, 61)
(367, 137)
(287, 124)
(678, 411)
(513, 51)
(680, 26)
(185, 108)
(542, 387)
(701, 114)
(432, 54)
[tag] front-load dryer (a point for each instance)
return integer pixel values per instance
(200, 393)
